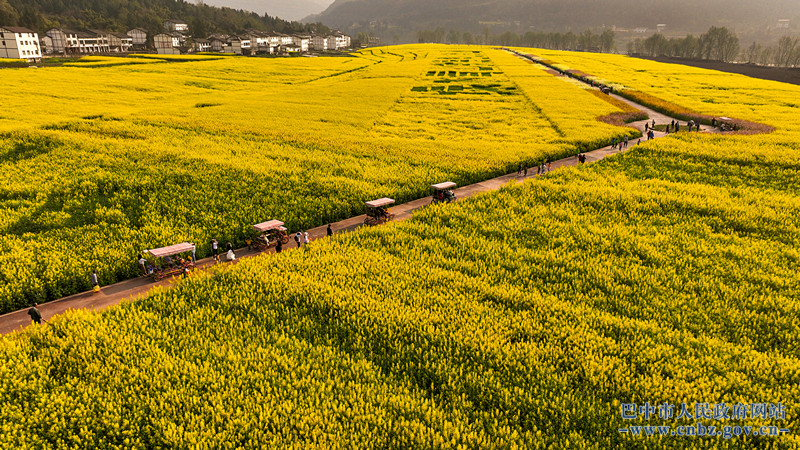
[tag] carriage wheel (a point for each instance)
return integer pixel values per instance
(285, 239)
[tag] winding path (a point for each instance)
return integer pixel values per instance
(138, 287)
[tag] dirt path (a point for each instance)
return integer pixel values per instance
(138, 287)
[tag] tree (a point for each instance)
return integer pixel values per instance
(786, 52)
(8, 15)
(607, 41)
(719, 44)
(656, 45)
(454, 37)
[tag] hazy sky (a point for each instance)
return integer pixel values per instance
(285, 9)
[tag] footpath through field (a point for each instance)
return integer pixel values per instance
(138, 287)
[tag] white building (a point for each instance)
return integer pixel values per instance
(338, 41)
(202, 45)
(19, 43)
(176, 25)
(88, 42)
(245, 45)
(259, 42)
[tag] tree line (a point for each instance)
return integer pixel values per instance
(720, 44)
(587, 40)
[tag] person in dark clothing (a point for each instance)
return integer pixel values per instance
(297, 239)
(278, 246)
(36, 316)
(215, 249)
(229, 246)
(525, 170)
(95, 281)
(329, 230)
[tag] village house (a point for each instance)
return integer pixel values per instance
(56, 41)
(120, 42)
(168, 43)
(234, 46)
(139, 37)
(245, 45)
(319, 43)
(102, 39)
(303, 42)
(259, 42)
(176, 26)
(201, 45)
(46, 45)
(19, 43)
(218, 42)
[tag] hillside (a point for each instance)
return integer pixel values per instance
(122, 15)
(294, 10)
(557, 15)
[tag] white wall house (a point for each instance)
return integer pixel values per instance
(176, 25)
(19, 43)
(245, 43)
(259, 42)
(202, 45)
(90, 42)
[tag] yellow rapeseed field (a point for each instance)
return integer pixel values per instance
(521, 318)
(110, 156)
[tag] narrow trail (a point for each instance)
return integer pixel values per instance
(133, 289)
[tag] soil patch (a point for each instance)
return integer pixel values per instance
(784, 75)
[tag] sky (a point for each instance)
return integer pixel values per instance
(285, 9)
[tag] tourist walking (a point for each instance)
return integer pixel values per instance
(613, 143)
(297, 239)
(525, 170)
(143, 264)
(305, 237)
(36, 316)
(278, 246)
(194, 253)
(329, 231)
(625, 141)
(548, 165)
(519, 168)
(215, 249)
(95, 281)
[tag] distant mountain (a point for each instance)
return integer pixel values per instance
(122, 15)
(285, 9)
(557, 15)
